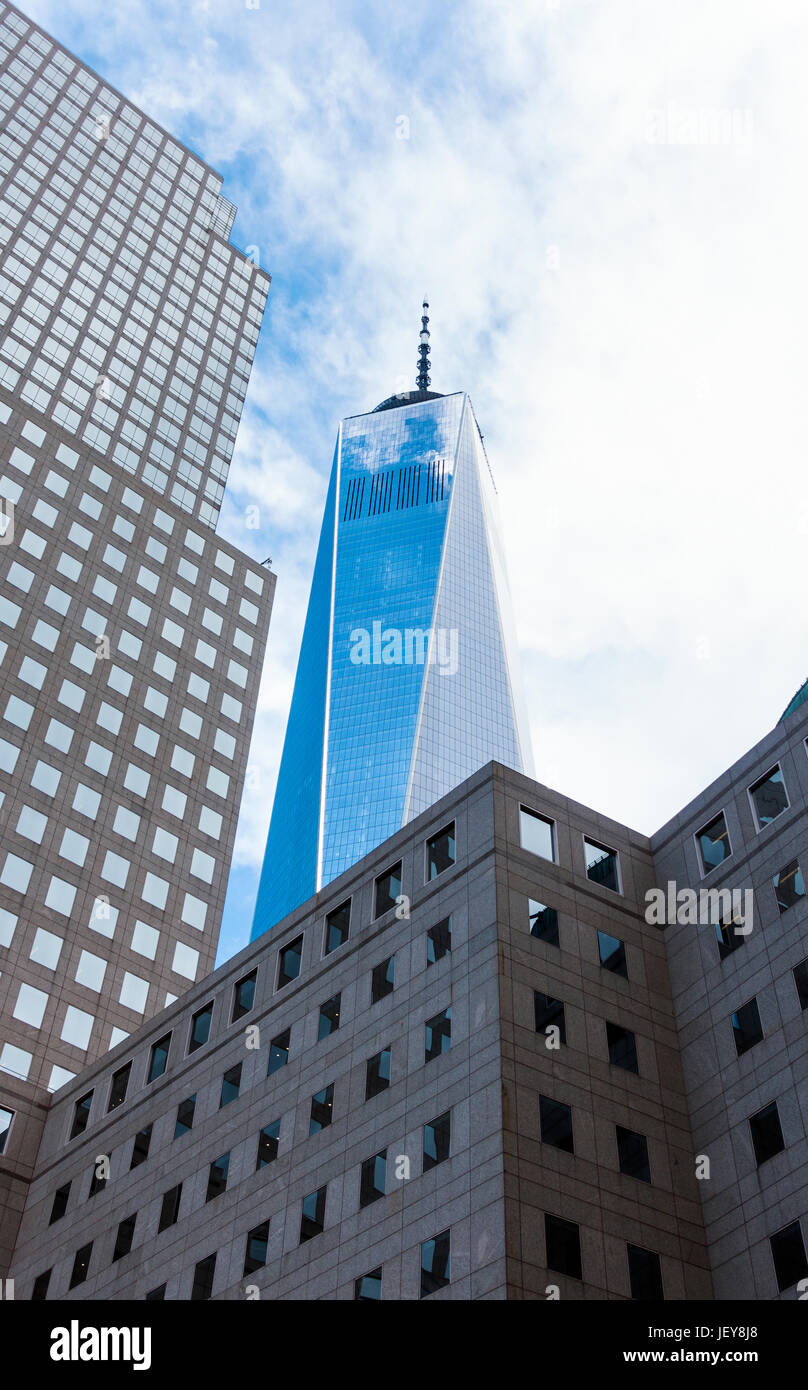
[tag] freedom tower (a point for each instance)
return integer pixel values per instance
(408, 678)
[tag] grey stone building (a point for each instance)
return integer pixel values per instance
(131, 635)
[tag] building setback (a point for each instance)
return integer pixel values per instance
(131, 635)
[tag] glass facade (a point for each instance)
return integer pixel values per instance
(407, 681)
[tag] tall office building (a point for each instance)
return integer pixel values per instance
(408, 677)
(131, 636)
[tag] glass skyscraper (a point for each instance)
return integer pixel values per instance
(407, 680)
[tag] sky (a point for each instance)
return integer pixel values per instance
(605, 203)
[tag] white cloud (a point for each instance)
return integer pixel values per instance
(627, 313)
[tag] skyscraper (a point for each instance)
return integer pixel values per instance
(407, 680)
(131, 636)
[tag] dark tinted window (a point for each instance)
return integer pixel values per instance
(6, 1117)
(645, 1275)
(322, 1109)
(437, 1140)
(388, 890)
(713, 842)
(98, 1178)
(337, 927)
(549, 1013)
(279, 1052)
(81, 1114)
(159, 1058)
(368, 1289)
(440, 851)
(204, 1271)
(801, 981)
(555, 1119)
(436, 1269)
(767, 1135)
(622, 1047)
(612, 952)
(200, 1027)
(377, 1077)
(59, 1207)
(746, 1027)
(382, 980)
(140, 1148)
(329, 1017)
(268, 1144)
(373, 1179)
(438, 1034)
(185, 1116)
(289, 961)
(536, 833)
(789, 887)
(632, 1153)
(124, 1238)
(788, 1254)
(217, 1177)
(769, 797)
(81, 1265)
(312, 1217)
(243, 995)
(117, 1091)
(601, 865)
(156, 1295)
(255, 1256)
(543, 922)
(563, 1244)
(40, 1289)
(439, 941)
(231, 1085)
(170, 1208)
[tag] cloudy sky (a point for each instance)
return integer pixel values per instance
(605, 203)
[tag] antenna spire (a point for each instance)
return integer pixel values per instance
(423, 378)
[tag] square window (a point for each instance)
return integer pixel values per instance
(543, 922)
(170, 1207)
(185, 961)
(74, 847)
(549, 1014)
(439, 941)
(337, 927)
(203, 866)
(289, 962)
(146, 740)
(158, 1060)
(268, 1141)
(134, 992)
(377, 1073)
(612, 952)
(388, 890)
(279, 1052)
(31, 824)
(382, 979)
(77, 1028)
(602, 865)
(714, 843)
(15, 1060)
(632, 1154)
(555, 1119)
(145, 940)
(437, 1035)
(60, 896)
(746, 1027)
(329, 1017)
(115, 869)
(255, 1256)
(194, 912)
(622, 1046)
(437, 1140)
(788, 1255)
(322, 1109)
(645, 1275)
(231, 1085)
(86, 801)
(436, 1271)
(165, 845)
(373, 1179)
(767, 1133)
(243, 996)
(136, 780)
(562, 1241)
(312, 1216)
(30, 1005)
(769, 798)
(46, 949)
(97, 758)
(8, 923)
(440, 852)
(16, 873)
(174, 801)
(210, 822)
(789, 886)
(91, 971)
(46, 779)
(537, 833)
(155, 891)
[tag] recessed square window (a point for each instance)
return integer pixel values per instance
(77, 1028)
(16, 873)
(203, 865)
(312, 1216)
(439, 941)
(555, 1122)
(602, 865)
(289, 962)
(98, 758)
(612, 953)
(746, 1027)
(182, 761)
(185, 961)
(165, 845)
(632, 1154)
(74, 847)
(134, 992)
(789, 886)
(103, 917)
(387, 890)
(146, 740)
(46, 779)
(769, 798)
(767, 1133)
(210, 822)
(174, 801)
(543, 922)
(436, 1268)
(382, 979)
(155, 891)
(91, 971)
(622, 1045)
(537, 833)
(322, 1109)
(440, 852)
(30, 1006)
(8, 923)
(714, 843)
(46, 948)
(562, 1242)
(549, 1014)
(71, 695)
(31, 824)
(60, 896)
(115, 869)
(645, 1275)
(32, 673)
(337, 927)
(194, 911)
(788, 1256)
(136, 780)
